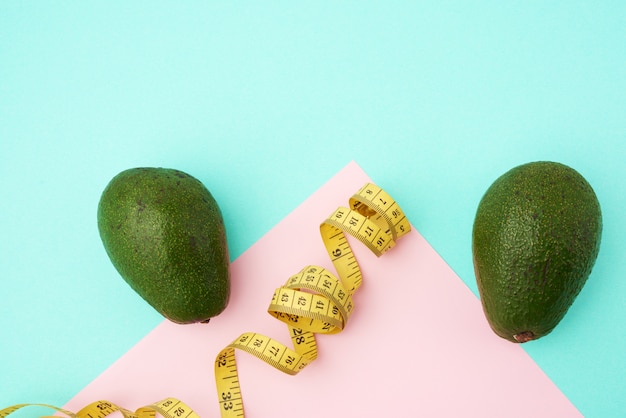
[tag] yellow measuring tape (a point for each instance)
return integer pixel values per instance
(313, 301)
(168, 408)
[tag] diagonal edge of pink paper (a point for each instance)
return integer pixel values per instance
(417, 343)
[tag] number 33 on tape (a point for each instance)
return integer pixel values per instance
(313, 301)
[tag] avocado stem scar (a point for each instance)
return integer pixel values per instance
(525, 336)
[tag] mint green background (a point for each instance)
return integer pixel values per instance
(264, 102)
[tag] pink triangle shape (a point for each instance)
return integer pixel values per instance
(417, 343)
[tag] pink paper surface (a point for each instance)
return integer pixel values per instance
(417, 343)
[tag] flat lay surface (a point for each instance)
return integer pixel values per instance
(267, 103)
(407, 293)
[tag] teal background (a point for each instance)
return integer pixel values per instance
(266, 101)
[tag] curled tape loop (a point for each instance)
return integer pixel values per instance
(313, 301)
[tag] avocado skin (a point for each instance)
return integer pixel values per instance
(535, 239)
(165, 235)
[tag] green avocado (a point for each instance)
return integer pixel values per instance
(535, 239)
(165, 235)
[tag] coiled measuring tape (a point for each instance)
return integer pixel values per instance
(313, 301)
